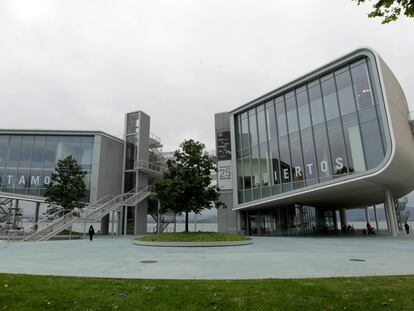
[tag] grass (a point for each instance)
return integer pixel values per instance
(193, 237)
(28, 292)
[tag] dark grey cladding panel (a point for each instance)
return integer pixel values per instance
(222, 121)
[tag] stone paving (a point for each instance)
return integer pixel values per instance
(268, 257)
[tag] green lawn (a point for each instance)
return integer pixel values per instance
(27, 292)
(193, 237)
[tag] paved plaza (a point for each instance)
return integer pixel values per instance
(268, 257)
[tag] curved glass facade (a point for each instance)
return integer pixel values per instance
(325, 129)
(27, 161)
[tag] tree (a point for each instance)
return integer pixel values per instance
(390, 10)
(67, 186)
(186, 184)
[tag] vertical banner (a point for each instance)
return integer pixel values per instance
(224, 169)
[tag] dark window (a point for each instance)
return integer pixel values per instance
(309, 158)
(4, 147)
(374, 152)
(253, 127)
(38, 150)
(338, 153)
(281, 118)
(14, 151)
(292, 114)
(26, 151)
(303, 110)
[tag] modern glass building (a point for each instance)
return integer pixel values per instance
(327, 141)
(28, 161)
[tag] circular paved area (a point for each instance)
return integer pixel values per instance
(268, 257)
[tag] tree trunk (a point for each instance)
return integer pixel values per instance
(186, 221)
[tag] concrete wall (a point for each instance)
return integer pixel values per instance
(226, 217)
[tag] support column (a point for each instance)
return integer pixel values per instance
(387, 219)
(125, 219)
(342, 217)
(376, 217)
(366, 214)
(36, 216)
(112, 224)
(158, 218)
(389, 206)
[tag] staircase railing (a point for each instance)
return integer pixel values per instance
(94, 211)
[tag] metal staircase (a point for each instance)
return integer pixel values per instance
(92, 212)
(165, 219)
(401, 213)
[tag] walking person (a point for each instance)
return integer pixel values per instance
(91, 232)
(407, 228)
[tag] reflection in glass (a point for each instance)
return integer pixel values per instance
(329, 99)
(362, 87)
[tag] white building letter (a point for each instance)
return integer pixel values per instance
(22, 180)
(298, 171)
(47, 180)
(286, 174)
(339, 163)
(324, 166)
(9, 179)
(310, 168)
(35, 180)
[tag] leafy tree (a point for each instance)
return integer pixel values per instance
(390, 10)
(186, 185)
(67, 186)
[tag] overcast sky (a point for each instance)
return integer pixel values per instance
(82, 65)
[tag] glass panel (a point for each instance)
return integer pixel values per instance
(329, 99)
(297, 164)
(371, 138)
(281, 118)
(362, 87)
(4, 147)
(247, 174)
(264, 165)
(50, 155)
(38, 150)
(311, 168)
(240, 174)
(354, 149)
(261, 124)
(322, 155)
(303, 110)
(237, 126)
(255, 162)
(14, 151)
(345, 92)
(316, 105)
(26, 151)
(245, 134)
(253, 127)
(338, 153)
(285, 165)
(292, 114)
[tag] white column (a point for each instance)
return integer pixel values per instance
(389, 205)
(376, 217)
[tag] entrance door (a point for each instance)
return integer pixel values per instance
(252, 224)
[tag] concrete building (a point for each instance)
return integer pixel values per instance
(336, 138)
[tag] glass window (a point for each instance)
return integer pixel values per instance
(371, 137)
(303, 110)
(322, 155)
(247, 174)
(345, 92)
(281, 118)
(338, 153)
(261, 124)
(14, 150)
(245, 134)
(316, 105)
(50, 154)
(255, 162)
(354, 148)
(362, 86)
(309, 158)
(329, 99)
(26, 151)
(38, 150)
(285, 165)
(297, 163)
(271, 121)
(264, 165)
(253, 127)
(240, 184)
(292, 114)
(4, 147)
(237, 134)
